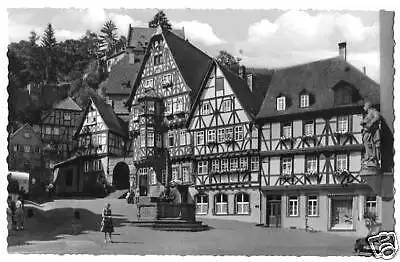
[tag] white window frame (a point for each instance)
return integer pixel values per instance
(27, 148)
(67, 116)
(175, 173)
(312, 205)
(226, 105)
(56, 131)
(293, 206)
(341, 162)
(281, 103)
(27, 135)
(343, 124)
(202, 167)
(179, 105)
(308, 128)
(86, 166)
(304, 100)
(202, 205)
(185, 174)
(243, 163)
(254, 163)
(182, 137)
(148, 83)
(238, 133)
(215, 165)
(311, 163)
(224, 165)
(371, 204)
(200, 138)
(205, 108)
(221, 135)
(168, 107)
(242, 206)
(47, 130)
(150, 138)
(166, 79)
(153, 177)
(287, 130)
(229, 133)
(233, 164)
(171, 135)
(221, 207)
(287, 165)
(211, 135)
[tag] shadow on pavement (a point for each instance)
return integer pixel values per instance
(50, 225)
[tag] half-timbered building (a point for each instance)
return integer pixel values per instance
(169, 79)
(100, 136)
(57, 127)
(311, 147)
(225, 148)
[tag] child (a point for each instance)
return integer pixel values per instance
(106, 223)
(19, 215)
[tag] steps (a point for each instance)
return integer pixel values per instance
(118, 194)
(172, 225)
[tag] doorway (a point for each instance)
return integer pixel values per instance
(143, 185)
(121, 176)
(273, 211)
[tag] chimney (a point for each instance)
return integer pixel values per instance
(250, 81)
(364, 70)
(342, 50)
(242, 72)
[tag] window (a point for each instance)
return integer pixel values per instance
(205, 108)
(238, 133)
(148, 83)
(167, 79)
(67, 116)
(175, 174)
(287, 130)
(163, 176)
(343, 124)
(47, 130)
(86, 166)
(158, 140)
(200, 138)
(281, 103)
(221, 204)
(142, 139)
(233, 164)
(211, 135)
(311, 164)
(185, 174)
(202, 167)
(304, 100)
(215, 165)
(221, 135)
(150, 138)
(229, 133)
(219, 84)
(158, 59)
(15, 148)
(242, 204)
(293, 206)
(370, 205)
(201, 204)
(254, 163)
(226, 105)
(171, 139)
(312, 206)
(309, 128)
(153, 177)
(182, 137)
(179, 105)
(150, 107)
(243, 163)
(168, 107)
(287, 165)
(27, 135)
(224, 164)
(27, 149)
(341, 162)
(343, 95)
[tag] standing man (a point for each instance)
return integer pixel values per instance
(370, 135)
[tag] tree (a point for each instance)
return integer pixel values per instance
(49, 40)
(49, 44)
(108, 37)
(160, 19)
(228, 60)
(33, 38)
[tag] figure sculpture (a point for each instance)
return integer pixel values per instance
(370, 135)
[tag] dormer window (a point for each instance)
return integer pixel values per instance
(280, 103)
(205, 108)
(304, 100)
(148, 83)
(158, 59)
(166, 80)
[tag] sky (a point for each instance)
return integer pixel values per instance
(261, 38)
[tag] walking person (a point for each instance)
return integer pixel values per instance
(19, 215)
(9, 216)
(106, 223)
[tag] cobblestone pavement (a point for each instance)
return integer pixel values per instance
(57, 231)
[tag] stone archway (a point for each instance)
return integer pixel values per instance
(121, 176)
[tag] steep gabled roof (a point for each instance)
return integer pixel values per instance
(192, 63)
(25, 126)
(112, 121)
(318, 78)
(67, 104)
(242, 91)
(122, 76)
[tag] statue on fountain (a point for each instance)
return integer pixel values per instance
(371, 136)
